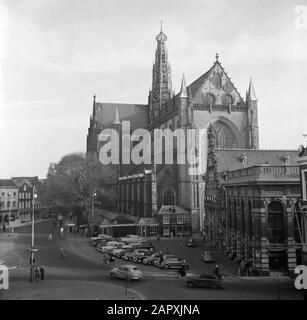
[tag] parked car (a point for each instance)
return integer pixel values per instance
(140, 254)
(150, 259)
(128, 272)
(208, 257)
(144, 245)
(191, 242)
(130, 238)
(172, 263)
(205, 280)
(108, 248)
(118, 252)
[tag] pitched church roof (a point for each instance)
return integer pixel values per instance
(135, 113)
(7, 183)
(231, 159)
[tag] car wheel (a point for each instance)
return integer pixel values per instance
(190, 284)
(112, 276)
(166, 266)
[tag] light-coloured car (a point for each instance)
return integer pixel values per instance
(150, 260)
(131, 238)
(118, 252)
(127, 272)
(172, 263)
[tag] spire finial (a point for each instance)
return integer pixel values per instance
(94, 96)
(251, 91)
(161, 23)
(217, 57)
(183, 90)
(116, 120)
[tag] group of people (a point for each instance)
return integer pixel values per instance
(244, 268)
(39, 273)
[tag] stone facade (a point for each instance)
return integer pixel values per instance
(210, 99)
(251, 204)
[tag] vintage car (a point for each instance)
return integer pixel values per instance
(140, 254)
(127, 272)
(149, 260)
(130, 238)
(119, 252)
(204, 280)
(172, 263)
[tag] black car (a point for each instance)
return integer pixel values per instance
(205, 280)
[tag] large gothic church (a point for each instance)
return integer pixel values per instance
(212, 101)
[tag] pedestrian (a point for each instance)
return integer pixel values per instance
(182, 271)
(4, 228)
(50, 237)
(36, 273)
(217, 272)
(62, 253)
(42, 271)
(158, 238)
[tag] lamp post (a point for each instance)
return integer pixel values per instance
(32, 249)
(9, 197)
(93, 209)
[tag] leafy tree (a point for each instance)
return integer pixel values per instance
(72, 182)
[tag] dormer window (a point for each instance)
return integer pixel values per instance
(286, 158)
(243, 158)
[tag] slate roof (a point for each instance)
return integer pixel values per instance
(168, 209)
(230, 159)
(7, 183)
(33, 180)
(137, 114)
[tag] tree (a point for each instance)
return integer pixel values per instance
(71, 183)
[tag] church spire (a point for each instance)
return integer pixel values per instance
(161, 76)
(251, 91)
(94, 106)
(116, 120)
(183, 91)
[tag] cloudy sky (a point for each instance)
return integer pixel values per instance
(55, 54)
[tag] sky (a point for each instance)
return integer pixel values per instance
(55, 54)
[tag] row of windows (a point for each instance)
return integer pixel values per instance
(8, 194)
(25, 195)
(166, 219)
(8, 204)
(25, 204)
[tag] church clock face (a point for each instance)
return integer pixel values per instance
(155, 97)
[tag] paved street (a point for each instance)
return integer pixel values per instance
(83, 275)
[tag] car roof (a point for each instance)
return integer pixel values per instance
(128, 266)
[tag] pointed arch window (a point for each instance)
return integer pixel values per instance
(169, 197)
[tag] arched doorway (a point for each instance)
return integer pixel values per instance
(169, 197)
(276, 236)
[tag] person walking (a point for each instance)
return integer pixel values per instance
(217, 272)
(182, 271)
(42, 272)
(62, 253)
(50, 237)
(36, 274)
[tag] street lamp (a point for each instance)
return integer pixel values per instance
(32, 249)
(93, 209)
(9, 197)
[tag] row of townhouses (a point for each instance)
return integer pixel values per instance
(16, 198)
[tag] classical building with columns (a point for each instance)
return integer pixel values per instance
(252, 204)
(210, 99)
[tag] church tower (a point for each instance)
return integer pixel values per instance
(252, 118)
(161, 90)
